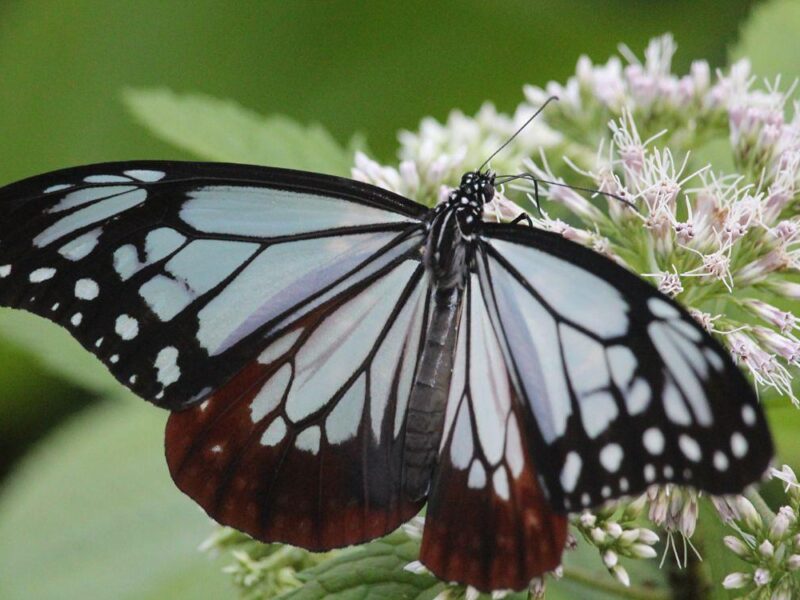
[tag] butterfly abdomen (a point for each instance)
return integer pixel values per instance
(428, 400)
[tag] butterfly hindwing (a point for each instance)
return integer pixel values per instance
(176, 275)
(624, 388)
(305, 445)
(488, 521)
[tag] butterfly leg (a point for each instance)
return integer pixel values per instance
(522, 217)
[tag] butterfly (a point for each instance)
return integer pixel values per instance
(334, 356)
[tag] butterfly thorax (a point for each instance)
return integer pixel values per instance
(451, 229)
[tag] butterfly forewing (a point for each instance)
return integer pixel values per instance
(488, 521)
(624, 389)
(177, 275)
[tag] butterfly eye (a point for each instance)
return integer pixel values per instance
(488, 192)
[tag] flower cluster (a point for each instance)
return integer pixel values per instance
(262, 570)
(720, 242)
(615, 532)
(769, 543)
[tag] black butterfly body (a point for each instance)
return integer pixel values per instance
(336, 355)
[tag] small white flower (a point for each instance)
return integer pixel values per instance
(537, 588)
(736, 545)
(793, 562)
(747, 513)
(414, 528)
(621, 575)
(642, 551)
(735, 581)
(761, 576)
(780, 525)
(416, 567)
(610, 559)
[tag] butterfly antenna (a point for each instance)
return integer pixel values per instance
(536, 181)
(517, 132)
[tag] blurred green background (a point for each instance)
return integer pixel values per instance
(87, 509)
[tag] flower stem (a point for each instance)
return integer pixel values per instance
(605, 584)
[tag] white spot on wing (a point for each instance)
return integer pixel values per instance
(342, 424)
(106, 179)
(687, 329)
(274, 433)
(165, 296)
(690, 448)
(571, 471)
(720, 461)
(279, 347)
(167, 366)
(477, 476)
(5, 271)
(611, 457)
(308, 440)
(748, 415)
(76, 319)
(597, 412)
(514, 453)
(145, 175)
(86, 289)
(57, 188)
(81, 246)
(461, 449)
(714, 360)
(40, 275)
(638, 398)
(739, 445)
(126, 327)
(673, 405)
(662, 309)
(623, 364)
(653, 440)
(500, 483)
(270, 394)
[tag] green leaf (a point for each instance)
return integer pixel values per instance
(370, 572)
(222, 130)
(92, 513)
(769, 40)
(56, 350)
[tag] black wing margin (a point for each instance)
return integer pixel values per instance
(176, 275)
(623, 388)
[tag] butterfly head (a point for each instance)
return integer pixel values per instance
(475, 189)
